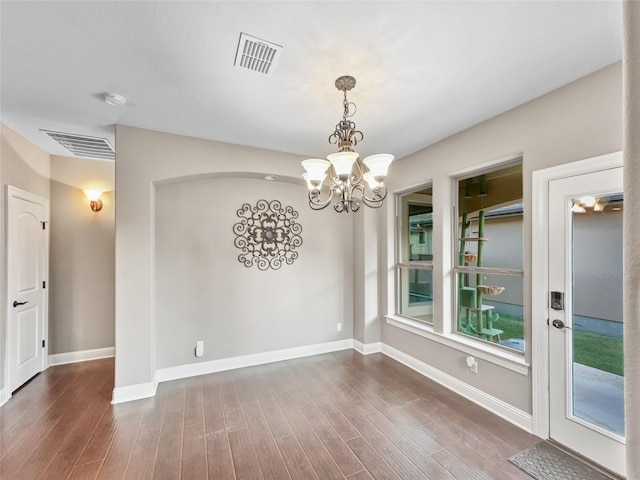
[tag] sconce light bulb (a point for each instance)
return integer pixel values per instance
(93, 194)
(94, 199)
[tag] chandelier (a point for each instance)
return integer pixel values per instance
(348, 180)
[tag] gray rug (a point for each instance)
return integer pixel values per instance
(546, 462)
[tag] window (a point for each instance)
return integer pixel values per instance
(414, 267)
(489, 260)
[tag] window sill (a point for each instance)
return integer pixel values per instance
(514, 362)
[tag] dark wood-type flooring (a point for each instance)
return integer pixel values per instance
(334, 416)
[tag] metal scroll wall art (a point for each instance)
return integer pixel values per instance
(267, 235)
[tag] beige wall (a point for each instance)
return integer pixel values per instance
(82, 245)
(25, 166)
(145, 161)
(81, 255)
(581, 120)
(578, 121)
(204, 293)
(83, 173)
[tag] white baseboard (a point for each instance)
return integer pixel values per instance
(80, 356)
(134, 392)
(203, 368)
(508, 412)
(4, 396)
(367, 348)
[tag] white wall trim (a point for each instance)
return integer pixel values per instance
(489, 402)
(540, 280)
(203, 368)
(80, 356)
(4, 396)
(493, 404)
(134, 392)
(367, 348)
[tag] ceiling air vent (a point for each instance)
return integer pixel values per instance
(257, 55)
(83, 145)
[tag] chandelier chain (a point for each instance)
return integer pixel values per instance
(345, 135)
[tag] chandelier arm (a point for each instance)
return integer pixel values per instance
(356, 178)
(316, 203)
(377, 199)
(334, 181)
(345, 135)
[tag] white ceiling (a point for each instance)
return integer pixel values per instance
(425, 70)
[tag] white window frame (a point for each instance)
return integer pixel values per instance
(443, 329)
(472, 270)
(402, 264)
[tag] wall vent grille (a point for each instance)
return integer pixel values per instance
(83, 145)
(257, 55)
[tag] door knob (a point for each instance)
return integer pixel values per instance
(17, 303)
(559, 324)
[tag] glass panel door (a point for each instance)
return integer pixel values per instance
(586, 396)
(596, 265)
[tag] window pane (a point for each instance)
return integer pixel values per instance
(490, 219)
(420, 232)
(416, 293)
(490, 226)
(417, 226)
(491, 308)
(597, 316)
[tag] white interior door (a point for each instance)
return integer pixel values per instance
(586, 382)
(26, 274)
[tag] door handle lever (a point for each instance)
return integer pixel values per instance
(559, 324)
(17, 303)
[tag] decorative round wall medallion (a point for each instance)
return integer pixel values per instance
(267, 235)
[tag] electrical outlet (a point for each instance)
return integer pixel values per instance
(472, 363)
(199, 348)
(339, 327)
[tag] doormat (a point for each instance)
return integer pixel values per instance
(546, 462)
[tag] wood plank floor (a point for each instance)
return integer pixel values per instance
(334, 416)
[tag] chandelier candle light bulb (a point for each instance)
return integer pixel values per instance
(316, 172)
(349, 180)
(343, 163)
(378, 165)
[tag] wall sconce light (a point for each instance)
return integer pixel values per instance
(94, 199)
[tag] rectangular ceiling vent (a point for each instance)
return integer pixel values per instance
(257, 55)
(83, 145)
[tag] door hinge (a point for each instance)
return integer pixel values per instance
(43, 343)
(44, 284)
(44, 225)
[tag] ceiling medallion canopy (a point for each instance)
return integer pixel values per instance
(344, 177)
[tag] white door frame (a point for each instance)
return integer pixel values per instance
(13, 192)
(540, 280)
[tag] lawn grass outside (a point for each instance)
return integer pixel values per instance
(598, 351)
(591, 349)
